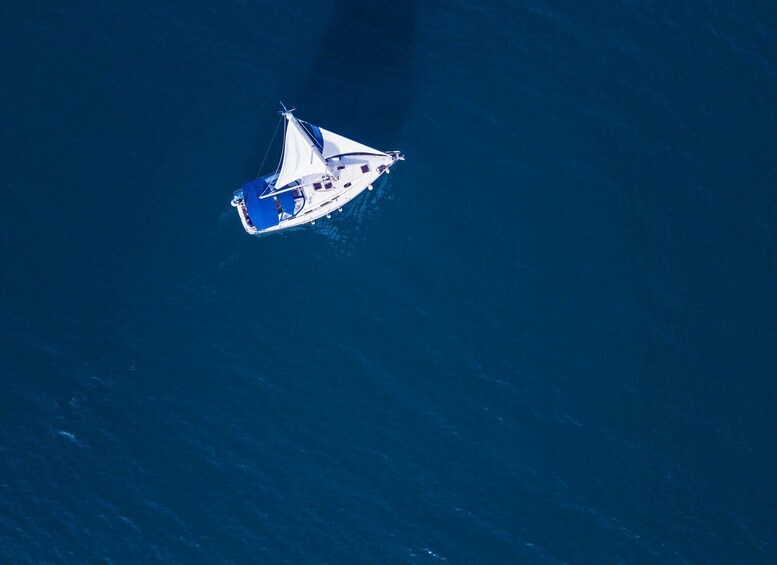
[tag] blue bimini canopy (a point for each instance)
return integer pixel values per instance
(262, 211)
(287, 202)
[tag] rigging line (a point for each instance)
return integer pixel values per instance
(261, 167)
(283, 150)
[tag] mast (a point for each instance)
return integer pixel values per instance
(293, 121)
(301, 157)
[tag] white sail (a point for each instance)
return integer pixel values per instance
(335, 144)
(300, 156)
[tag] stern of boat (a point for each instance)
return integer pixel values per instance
(239, 204)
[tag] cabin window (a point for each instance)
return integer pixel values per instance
(365, 168)
(328, 185)
(316, 186)
(340, 167)
(346, 185)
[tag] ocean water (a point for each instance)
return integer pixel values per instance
(548, 337)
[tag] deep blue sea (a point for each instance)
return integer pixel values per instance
(550, 336)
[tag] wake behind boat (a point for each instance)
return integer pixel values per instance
(320, 171)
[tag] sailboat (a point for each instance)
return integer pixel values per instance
(319, 172)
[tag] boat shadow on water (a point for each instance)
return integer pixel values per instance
(361, 83)
(377, 39)
(369, 47)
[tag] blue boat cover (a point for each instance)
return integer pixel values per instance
(262, 211)
(287, 202)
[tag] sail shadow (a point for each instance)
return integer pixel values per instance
(362, 81)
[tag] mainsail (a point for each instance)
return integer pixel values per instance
(300, 155)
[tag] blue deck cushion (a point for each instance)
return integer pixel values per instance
(287, 202)
(262, 212)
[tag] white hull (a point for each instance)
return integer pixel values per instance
(320, 201)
